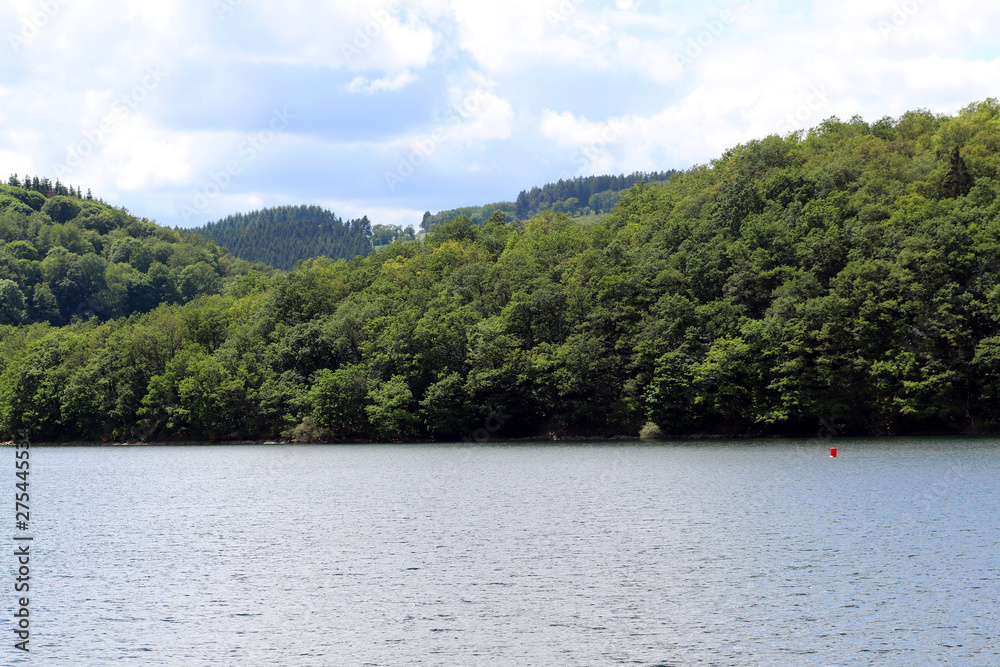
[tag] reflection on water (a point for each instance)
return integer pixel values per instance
(722, 553)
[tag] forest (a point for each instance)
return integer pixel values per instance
(64, 258)
(843, 280)
(584, 195)
(283, 235)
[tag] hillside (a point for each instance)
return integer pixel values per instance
(282, 236)
(65, 258)
(584, 195)
(838, 281)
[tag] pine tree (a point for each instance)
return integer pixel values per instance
(523, 205)
(957, 181)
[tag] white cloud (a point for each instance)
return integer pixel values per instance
(784, 79)
(17, 161)
(361, 35)
(149, 157)
(475, 115)
(569, 131)
(477, 112)
(764, 69)
(361, 84)
(384, 215)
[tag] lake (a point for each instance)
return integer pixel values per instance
(677, 553)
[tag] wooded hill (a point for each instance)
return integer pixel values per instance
(283, 235)
(584, 195)
(838, 281)
(63, 258)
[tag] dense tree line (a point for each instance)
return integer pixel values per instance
(477, 214)
(284, 235)
(385, 234)
(584, 195)
(46, 187)
(843, 279)
(64, 258)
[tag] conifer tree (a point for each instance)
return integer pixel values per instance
(957, 181)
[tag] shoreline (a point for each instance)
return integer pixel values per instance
(497, 441)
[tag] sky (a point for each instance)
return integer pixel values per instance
(189, 110)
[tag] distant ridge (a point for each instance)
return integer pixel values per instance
(283, 235)
(584, 195)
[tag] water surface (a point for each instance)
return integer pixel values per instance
(680, 553)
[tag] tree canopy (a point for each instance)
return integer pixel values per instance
(64, 258)
(584, 195)
(284, 235)
(842, 280)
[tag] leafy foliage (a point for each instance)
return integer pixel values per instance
(63, 258)
(842, 280)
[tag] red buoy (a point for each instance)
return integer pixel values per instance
(833, 452)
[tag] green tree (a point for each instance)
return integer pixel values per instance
(12, 307)
(61, 208)
(338, 399)
(391, 410)
(957, 180)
